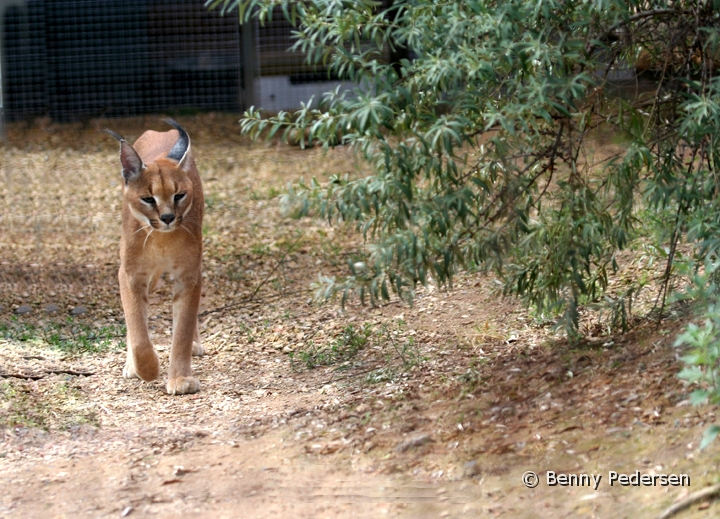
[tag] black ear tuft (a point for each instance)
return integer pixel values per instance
(180, 151)
(117, 136)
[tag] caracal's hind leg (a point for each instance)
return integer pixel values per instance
(186, 300)
(142, 361)
(154, 281)
(197, 350)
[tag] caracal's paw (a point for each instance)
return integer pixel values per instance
(183, 385)
(198, 350)
(147, 369)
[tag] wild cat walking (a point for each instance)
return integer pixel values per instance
(161, 232)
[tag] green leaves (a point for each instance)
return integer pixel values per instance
(709, 436)
(481, 140)
(483, 149)
(701, 344)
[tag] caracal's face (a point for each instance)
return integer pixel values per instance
(161, 197)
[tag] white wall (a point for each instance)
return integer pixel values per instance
(275, 93)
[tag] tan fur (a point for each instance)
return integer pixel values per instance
(150, 247)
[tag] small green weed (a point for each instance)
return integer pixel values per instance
(244, 329)
(51, 407)
(406, 351)
(235, 272)
(470, 377)
(402, 355)
(342, 349)
(260, 249)
(16, 407)
(68, 335)
(399, 351)
(384, 374)
(272, 192)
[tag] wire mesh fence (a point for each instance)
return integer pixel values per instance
(82, 58)
(77, 59)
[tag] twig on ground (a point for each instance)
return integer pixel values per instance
(21, 376)
(691, 500)
(279, 262)
(69, 372)
(47, 372)
(248, 300)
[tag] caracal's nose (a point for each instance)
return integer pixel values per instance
(167, 218)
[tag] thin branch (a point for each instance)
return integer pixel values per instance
(675, 238)
(644, 14)
(630, 19)
(47, 372)
(280, 261)
(21, 376)
(690, 500)
(69, 372)
(250, 298)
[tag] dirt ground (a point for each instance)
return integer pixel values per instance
(306, 410)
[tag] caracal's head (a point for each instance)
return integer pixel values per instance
(159, 194)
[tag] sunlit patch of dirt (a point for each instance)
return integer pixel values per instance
(306, 410)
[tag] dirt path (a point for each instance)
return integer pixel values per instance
(307, 411)
(252, 478)
(152, 473)
(266, 439)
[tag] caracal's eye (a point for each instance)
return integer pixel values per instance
(148, 200)
(179, 197)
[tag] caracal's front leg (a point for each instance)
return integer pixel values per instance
(186, 339)
(142, 361)
(197, 349)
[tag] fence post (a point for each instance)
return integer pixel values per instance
(2, 64)
(4, 4)
(248, 63)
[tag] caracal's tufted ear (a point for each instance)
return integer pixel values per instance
(181, 150)
(131, 162)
